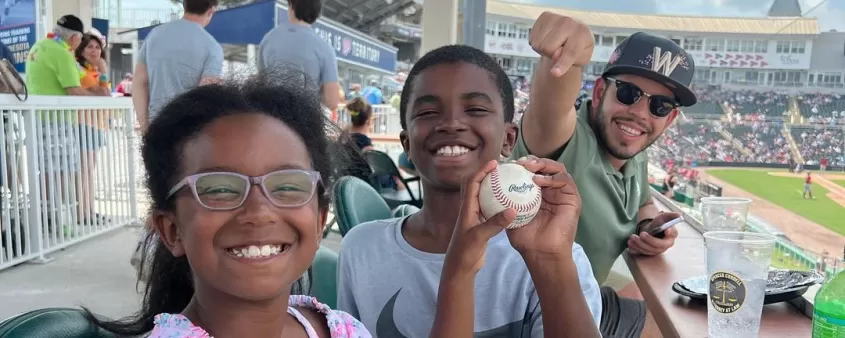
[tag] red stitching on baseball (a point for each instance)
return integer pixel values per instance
(508, 203)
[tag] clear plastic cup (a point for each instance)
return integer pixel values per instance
(725, 213)
(737, 270)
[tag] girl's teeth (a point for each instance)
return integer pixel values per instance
(254, 251)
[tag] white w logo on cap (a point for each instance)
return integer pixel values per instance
(664, 62)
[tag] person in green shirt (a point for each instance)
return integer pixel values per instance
(51, 69)
(602, 146)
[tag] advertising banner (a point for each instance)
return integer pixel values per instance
(17, 29)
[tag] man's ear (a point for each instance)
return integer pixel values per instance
(164, 225)
(599, 89)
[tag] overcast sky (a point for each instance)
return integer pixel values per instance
(831, 13)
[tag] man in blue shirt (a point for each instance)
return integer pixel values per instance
(372, 93)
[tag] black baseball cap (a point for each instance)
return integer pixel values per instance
(71, 22)
(658, 59)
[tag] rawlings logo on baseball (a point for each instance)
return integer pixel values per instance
(510, 185)
(524, 188)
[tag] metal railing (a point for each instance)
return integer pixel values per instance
(67, 173)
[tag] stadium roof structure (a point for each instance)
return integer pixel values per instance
(785, 8)
(697, 24)
(363, 15)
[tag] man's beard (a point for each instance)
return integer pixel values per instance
(600, 129)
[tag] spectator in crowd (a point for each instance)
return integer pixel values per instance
(91, 57)
(312, 55)
(632, 104)
(361, 118)
(354, 91)
(175, 57)
(52, 69)
(395, 101)
(125, 86)
(372, 93)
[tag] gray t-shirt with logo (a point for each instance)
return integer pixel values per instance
(298, 47)
(177, 55)
(391, 287)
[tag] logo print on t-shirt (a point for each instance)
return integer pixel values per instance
(386, 325)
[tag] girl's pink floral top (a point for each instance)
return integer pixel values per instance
(341, 324)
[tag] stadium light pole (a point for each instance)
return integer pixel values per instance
(474, 22)
(439, 24)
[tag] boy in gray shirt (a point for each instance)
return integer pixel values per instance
(395, 275)
(174, 58)
(295, 44)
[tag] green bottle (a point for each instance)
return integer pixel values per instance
(829, 309)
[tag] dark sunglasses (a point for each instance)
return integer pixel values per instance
(629, 94)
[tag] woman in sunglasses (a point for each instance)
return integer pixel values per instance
(237, 218)
(601, 145)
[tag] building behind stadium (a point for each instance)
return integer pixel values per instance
(781, 51)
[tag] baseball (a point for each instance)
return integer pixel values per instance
(510, 185)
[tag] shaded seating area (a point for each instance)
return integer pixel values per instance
(386, 178)
(357, 202)
(51, 323)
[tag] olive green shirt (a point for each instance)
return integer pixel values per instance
(610, 199)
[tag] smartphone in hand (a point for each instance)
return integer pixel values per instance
(658, 231)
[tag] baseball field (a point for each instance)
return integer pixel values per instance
(815, 224)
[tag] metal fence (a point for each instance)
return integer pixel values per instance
(67, 173)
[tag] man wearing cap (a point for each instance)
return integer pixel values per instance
(51, 68)
(602, 144)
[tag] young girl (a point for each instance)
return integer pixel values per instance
(239, 219)
(361, 118)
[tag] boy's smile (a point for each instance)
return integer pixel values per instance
(455, 123)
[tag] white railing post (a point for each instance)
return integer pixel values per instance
(34, 233)
(129, 125)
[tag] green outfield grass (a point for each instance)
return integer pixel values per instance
(786, 192)
(839, 182)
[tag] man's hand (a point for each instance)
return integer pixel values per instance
(646, 244)
(562, 39)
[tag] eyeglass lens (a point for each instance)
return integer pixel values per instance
(658, 105)
(228, 191)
